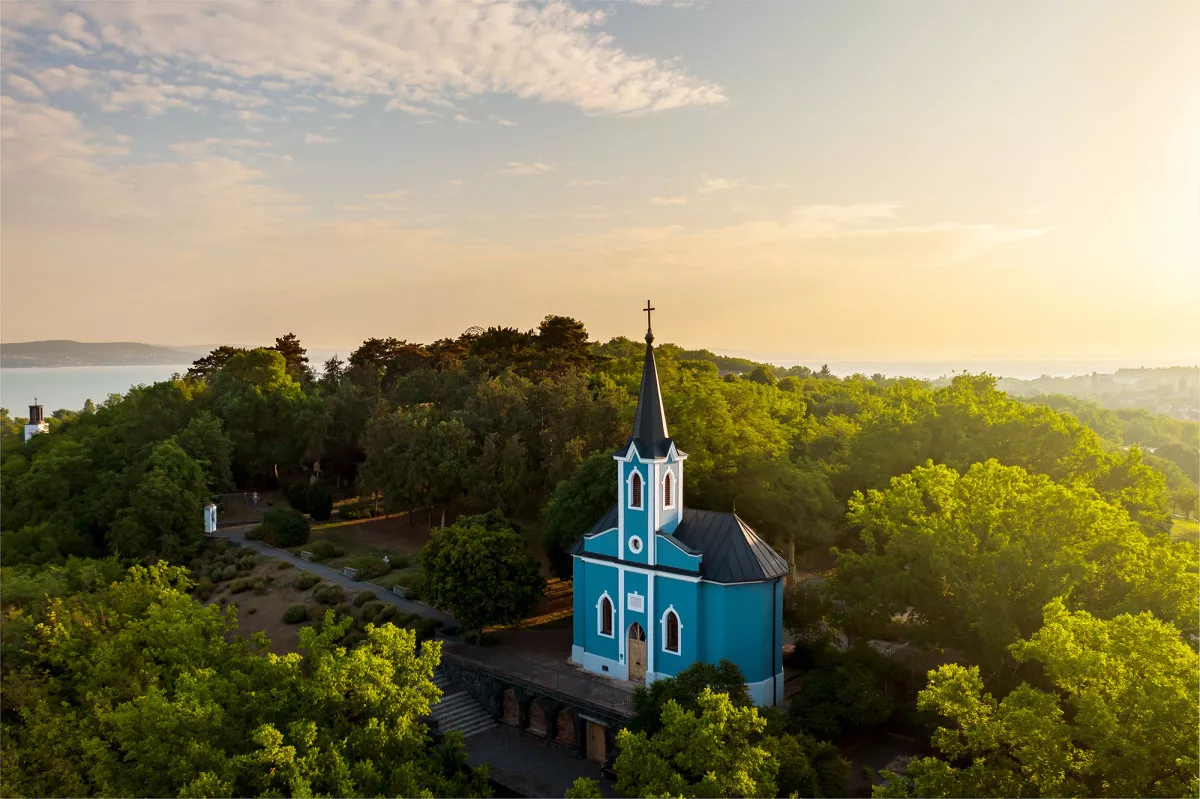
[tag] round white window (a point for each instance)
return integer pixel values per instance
(635, 545)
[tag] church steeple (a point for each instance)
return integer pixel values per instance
(650, 424)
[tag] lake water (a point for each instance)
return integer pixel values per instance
(70, 386)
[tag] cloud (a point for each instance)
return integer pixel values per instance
(580, 184)
(301, 109)
(714, 185)
(205, 146)
(519, 168)
(418, 56)
(342, 115)
(317, 138)
(344, 102)
(465, 119)
(501, 121)
(669, 200)
(397, 194)
(456, 182)
(25, 86)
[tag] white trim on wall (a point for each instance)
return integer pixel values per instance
(663, 623)
(600, 616)
(635, 472)
(622, 567)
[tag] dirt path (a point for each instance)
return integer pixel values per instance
(238, 535)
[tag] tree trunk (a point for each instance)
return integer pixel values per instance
(443, 517)
(479, 637)
(791, 558)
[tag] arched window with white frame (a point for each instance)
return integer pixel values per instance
(668, 490)
(604, 615)
(635, 491)
(672, 631)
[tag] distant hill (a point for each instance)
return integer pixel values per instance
(79, 353)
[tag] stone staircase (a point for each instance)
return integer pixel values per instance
(458, 710)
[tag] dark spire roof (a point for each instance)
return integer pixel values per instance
(650, 425)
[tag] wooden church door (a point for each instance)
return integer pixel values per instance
(637, 653)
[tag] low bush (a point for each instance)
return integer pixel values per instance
(241, 584)
(387, 614)
(426, 628)
(285, 527)
(324, 549)
(283, 565)
(255, 533)
(371, 609)
(369, 566)
(343, 609)
(329, 594)
(295, 613)
(305, 581)
(204, 588)
(414, 587)
(363, 597)
(359, 509)
(229, 572)
(250, 611)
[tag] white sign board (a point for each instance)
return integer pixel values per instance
(635, 602)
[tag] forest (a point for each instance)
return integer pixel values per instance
(1031, 546)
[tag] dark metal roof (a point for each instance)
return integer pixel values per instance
(731, 551)
(650, 425)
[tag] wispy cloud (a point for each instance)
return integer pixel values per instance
(317, 138)
(25, 86)
(197, 148)
(519, 168)
(396, 194)
(465, 119)
(501, 121)
(428, 55)
(669, 200)
(579, 184)
(714, 185)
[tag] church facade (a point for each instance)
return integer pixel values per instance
(659, 586)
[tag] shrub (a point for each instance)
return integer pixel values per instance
(426, 628)
(305, 581)
(371, 609)
(250, 611)
(363, 597)
(204, 588)
(255, 533)
(283, 565)
(388, 613)
(415, 587)
(329, 594)
(369, 566)
(324, 549)
(359, 509)
(297, 495)
(229, 572)
(295, 613)
(344, 609)
(285, 527)
(240, 584)
(320, 501)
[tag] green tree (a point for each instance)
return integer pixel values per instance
(207, 367)
(576, 504)
(714, 752)
(976, 556)
(266, 414)
(164, 517)
(284, 527)
(295, 357)
(584, 788)
(485, 577)
(133, 688)
(843, 693)
(685, 689)
(1117, 716)
(205, 441)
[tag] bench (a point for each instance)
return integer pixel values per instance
(306, 555)
(351, 573)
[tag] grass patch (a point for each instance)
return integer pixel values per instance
(1185, 530)
(397, 577)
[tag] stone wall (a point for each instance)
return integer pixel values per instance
(555, 717)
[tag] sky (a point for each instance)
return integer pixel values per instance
(878, 180)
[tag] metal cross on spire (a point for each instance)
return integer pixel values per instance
(649, 328)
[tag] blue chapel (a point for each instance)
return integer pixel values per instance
(659, 586)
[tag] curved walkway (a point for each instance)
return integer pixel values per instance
(238, 535)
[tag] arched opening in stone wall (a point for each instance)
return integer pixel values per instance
(510, 709)
(565, 727)
(537, 718)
